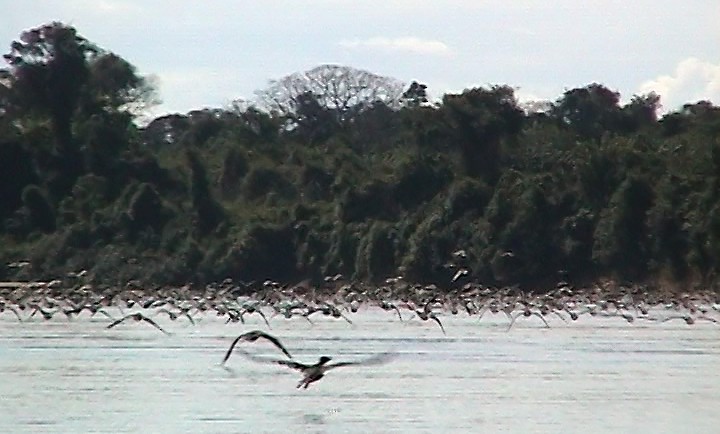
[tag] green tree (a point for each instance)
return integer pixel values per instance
(48, 68)
(88, 95)
(40, 214)
(18, 172)
(314, 123)
(589, 111)
(208, 211)
(478, 120)
(114, 85)
(640, 112)
(620, 235)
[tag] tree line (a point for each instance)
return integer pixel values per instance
(340, 170)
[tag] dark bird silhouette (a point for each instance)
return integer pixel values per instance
(387, 306)
(4, 307)
(252, 337)
(138, 317)
(428, 315)
(327, 310)
(175, 315)
(689, 319)
(313, 373)
(526, 313)
(252, 309)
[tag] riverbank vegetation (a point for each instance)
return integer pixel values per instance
(336, 170)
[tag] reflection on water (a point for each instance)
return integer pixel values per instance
(596, 375)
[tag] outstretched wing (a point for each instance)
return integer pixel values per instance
(290, 364)
(512, 320)
(252, 336)
(116, 322)
(344, 317)
(192, 321)
(398, 312)
(275, 341)
(266, 320)
(377, 359)
(437, 320)
(104, 312)
(154, 324)
(230, 350)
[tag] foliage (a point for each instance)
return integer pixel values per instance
(208, 212)
(338, 170)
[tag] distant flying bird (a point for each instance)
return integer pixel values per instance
(527, 313)
(252, 337)
(4, 307)
(387, 306)
(327, 310)
(427, 314)
(138, 317)
(252, 309)
(689, 320)
(175, 315)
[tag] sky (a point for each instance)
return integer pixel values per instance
(209, 53)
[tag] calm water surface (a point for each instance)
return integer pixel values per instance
(594, 375)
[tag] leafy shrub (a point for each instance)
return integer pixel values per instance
(261, 181)
(41, 214)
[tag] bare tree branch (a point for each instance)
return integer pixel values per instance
(340, 89)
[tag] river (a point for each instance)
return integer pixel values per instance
(595, 375)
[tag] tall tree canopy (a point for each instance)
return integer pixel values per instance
(55, 71)
(589, 110)
(86, 94)
(341, 90)
(478, 120)
(48, 69)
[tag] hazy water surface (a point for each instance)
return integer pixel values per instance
(595, 375)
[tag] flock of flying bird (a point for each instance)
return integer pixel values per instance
(338, 299)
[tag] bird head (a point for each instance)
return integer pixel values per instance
(324, 359)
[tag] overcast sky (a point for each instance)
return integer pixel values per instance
(208, 53)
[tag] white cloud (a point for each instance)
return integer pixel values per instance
(408, 44)
(105, 7)
(693, 80)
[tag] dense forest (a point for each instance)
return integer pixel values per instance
(336, 170)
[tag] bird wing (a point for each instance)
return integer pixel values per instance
(232, 346)
(116, 322)
(398, 312)
(345, 318)
(290, 364)
(104, 312)
(154, 324)
(266, 321)
(257, 334)
(512, 320)
(437, 320)
(192, 321)
(377, 359)
(275, 341)
(17, 314)
(539, 315)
